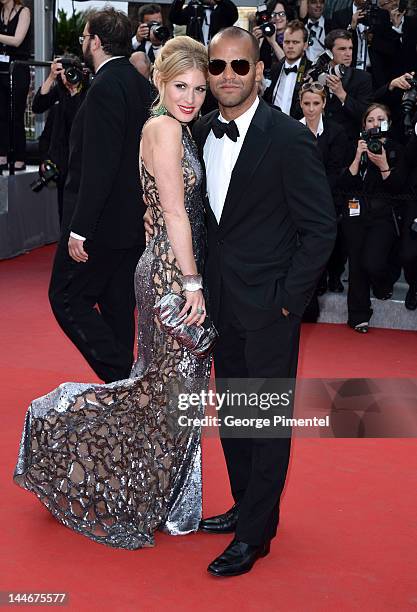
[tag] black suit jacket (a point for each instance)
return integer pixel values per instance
(335, 151)
(358, 86)
(295, 110)
(277, 228)
(225, 14)
(384, 48)
(102, 197)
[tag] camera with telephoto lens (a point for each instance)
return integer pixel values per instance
(373, 135)
(408, 105)
(373, 14)
(48, 175)
(322, 68)
(263, 20)
(73, 70)
(160, 32)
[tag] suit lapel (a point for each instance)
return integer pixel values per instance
(201, 133)
(251, 155)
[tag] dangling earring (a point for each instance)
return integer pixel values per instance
(161, 110)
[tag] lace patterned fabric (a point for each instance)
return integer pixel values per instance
(112, 461)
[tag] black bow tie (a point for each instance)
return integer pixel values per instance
(289, 70)
(313, 24)
(220, 128)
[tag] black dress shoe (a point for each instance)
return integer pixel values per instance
(238, 558)
(336, 285)
(222, 523)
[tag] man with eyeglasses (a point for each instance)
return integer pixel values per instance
(102, 233)
(270, 232)
(288, 76)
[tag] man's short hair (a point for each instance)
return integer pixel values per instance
(148, 9)
(297, 26)
(236, 32)
(113, 29)
(334, 35)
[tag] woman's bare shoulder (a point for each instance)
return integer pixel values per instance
(162, 129)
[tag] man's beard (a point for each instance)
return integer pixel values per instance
(88, 58)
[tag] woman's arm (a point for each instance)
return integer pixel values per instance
(21, 30)
(163, 137)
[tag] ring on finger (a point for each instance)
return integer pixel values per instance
(200, 311)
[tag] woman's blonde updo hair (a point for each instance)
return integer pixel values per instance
(178, 55)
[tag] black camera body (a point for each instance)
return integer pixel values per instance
(160, 32)
(373, 135)
(263, 20)
(322, 68)
(48, 175)
(408, 105)
(373, 14)
(73, 71)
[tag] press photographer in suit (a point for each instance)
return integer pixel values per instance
(102, 232)
(203, 18)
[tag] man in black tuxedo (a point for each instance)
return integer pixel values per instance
(376, 41)
(270, 230)
(204, 20)
(91, 290)
(351, 94)
(317, 27)
(288, 75)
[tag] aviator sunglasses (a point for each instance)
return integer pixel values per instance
(239, 66)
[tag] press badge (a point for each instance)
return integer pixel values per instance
(4, 58)
(354, 208)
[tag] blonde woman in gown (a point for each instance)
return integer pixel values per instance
(111, 461)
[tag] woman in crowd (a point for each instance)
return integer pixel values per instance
(369, 221)
(14, 45)
(332, 143)
(271, 46)
(112, 461)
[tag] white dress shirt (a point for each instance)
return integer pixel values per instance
(73, 234)
(220, 156)
(284, 88)
(362, 59)
(320, 127)
(317, 48)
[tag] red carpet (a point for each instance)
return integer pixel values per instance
(348, 531)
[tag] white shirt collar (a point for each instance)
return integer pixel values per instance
(320, 127)
(319, 21)
(297, 63)
(244, 120)
(109, 59)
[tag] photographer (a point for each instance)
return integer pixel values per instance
(351, 92)
(369, 223)
(203, 18)
(288, 76)
(151, 34)
(317, 27)
(63, 90)
(271, 45)
(376, 45)
(392, 94)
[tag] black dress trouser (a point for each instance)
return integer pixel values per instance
(94, 304)
(408, 244)
(369, 242)
(21, 89)
(257, 467)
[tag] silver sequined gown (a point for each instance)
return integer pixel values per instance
(112, 461)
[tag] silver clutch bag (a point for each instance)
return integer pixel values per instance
(198, 339)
